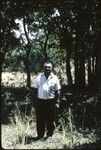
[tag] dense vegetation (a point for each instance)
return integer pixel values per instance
(68, 33)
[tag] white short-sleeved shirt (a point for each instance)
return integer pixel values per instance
(47, 87)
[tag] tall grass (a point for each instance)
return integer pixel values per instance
(22, 123)
(68, 128)
(23, 126)
(71, 136)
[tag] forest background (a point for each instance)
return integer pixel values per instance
(68, 33)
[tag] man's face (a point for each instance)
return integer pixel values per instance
(47, 69)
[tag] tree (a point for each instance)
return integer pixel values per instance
(7, 36)
(77, 26)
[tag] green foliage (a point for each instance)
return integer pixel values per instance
(13, 61)
(72, 33)
(7, 99)
(7, 26)
(51, 27)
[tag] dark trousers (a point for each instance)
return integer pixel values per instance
(45, 117)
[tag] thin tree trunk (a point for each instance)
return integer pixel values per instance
(82, 72)
(45, 48)
(0, 74)
(89, 72)
(76, 68)
(98, 64)
(93, 65)
(27, 61)
(2, 59)
(98, 74)
(68, 68)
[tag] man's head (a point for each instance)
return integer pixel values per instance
(47, 68)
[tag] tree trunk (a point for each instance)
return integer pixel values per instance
(28, 49)
(91, 79)
(76, 68)
(98, 74)
(91, 75)
(45, 48)
(98, 64)
(2, 58)
(81, 72)
(0, 74)
(28, 76)
(89, 71)
(27, 67)
(93, 65)
(68, 68)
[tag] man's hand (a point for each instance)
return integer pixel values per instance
(57, 105)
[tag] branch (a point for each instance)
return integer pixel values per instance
(26, 34)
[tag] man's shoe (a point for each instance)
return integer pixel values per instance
(48, 136)
(40, 137)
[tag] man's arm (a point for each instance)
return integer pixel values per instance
(57, 98)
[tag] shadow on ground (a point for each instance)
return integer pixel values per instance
(89, 146)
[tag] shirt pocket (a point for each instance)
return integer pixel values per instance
(52, 88)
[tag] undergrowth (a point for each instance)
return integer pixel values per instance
(22, 126)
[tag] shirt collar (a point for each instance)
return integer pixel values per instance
(50, 76)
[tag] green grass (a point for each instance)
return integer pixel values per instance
(10, 139)
(16, 134)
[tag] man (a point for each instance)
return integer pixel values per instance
(47, 87)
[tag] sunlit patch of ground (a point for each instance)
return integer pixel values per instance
(58, 141)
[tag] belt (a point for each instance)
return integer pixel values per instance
(52, 99)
